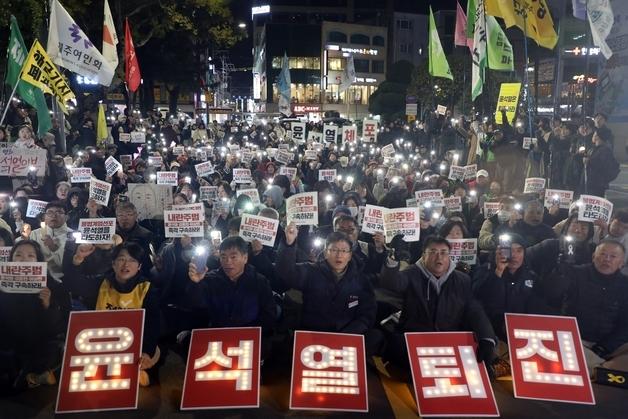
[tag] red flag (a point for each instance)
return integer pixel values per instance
(133, 76)
(460, 37)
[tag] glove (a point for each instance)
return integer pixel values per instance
(486, 352)
(400, 249)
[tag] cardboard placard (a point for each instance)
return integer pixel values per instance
(406, 221)
(311, 155)
(441, 109)
(124, 137)
(168, 178)
(223, 369)
(23, 277)
(547, 359)
(448, 381)
(328, 372)
(594, 208)
(16, 162)
(184, 220)
(35, 207)
(155, 161)
(453, 204)
(242, 176)
(284, 157)
(204, 169)
(96, 230)
(433, 196)
(369, 130)
(208, 193)
(388, 150)
(100, 369)
(563, 198)
(534, 185)
(330, 133)
(80, 174)
(349, 135)
(251, 193)
(302, 209)
(178, 150)
(298, 132)
(463, 250)
(328, 174)
(373, 221)
(99, 191)
(254, 227)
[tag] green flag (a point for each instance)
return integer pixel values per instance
(470, 18)
(499, 48)
(438, 65)
(16, 55)
(478, 55)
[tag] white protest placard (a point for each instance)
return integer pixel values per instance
(528, 142)
(330, 133)
(126, 160)
(184, 220)
(35, 207)
(263, 229)
(251, 193)
(201, 155)
(208, 193)
(314, 137)
(311, 155)
(453, 204)
(463, 250)
(405, 221)
(80, 174)
(5, 253)
(470, 172)
(302, 209)
(373, 221)
(298, 132)
(112, 166)
(388, 150)
(155, 161)
(284, 157)
(490, 209)
(204, 169)
(242, 176)
(369, 131)
(96, 230)
(283, 146)
(561, 197)
(318, 147)
(23, 277)
(99, 191)
(138, 137)
(168, 178)
(328, 174)
(433, 196)
(124, 137)
(150, 199)
(290, 172)
(441, 109)
(534, 185)
(178, 150)
(594, 208)
(411, 202)
(246, 156)
(456, 172)
(18, 161)
(349, 134)
(233, 148)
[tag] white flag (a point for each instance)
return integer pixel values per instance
(478, 54)
(69, 47)
(109, 38)
(348, 76)
(601, 19)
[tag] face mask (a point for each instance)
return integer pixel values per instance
(503, 216)
(353, 211)
(312, 166)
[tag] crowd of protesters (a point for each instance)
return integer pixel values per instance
(348, 281)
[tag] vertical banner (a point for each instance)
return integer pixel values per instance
(100, 369)
(369, 131)
(298, 132)
(448, 381)
(328, 372)
(349, 135)
(222, 370)
(547, 359)
(330, 133)
(508, 99)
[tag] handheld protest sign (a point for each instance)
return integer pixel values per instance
(448, 381)
(463, 250)
(594, 208)
(405, 221)
(327, 174)
(328, 372)
(184, 220)
(369, 131)
(96, 230)
(302, 209)
(35, 207)
(373, 220)
(534, 185)
(254, 227)
(80, 174)
(557, 196)
(20, 161)
(168, 178)
(547, 359)
(223, 369)
(99, 191)
(101, 363)
(23, 277)
(112, 166)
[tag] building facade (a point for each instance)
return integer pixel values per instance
(409, 38)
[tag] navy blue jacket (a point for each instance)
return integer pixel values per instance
(329, 305)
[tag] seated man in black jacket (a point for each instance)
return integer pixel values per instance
(336, 296)
(436, 298)
(597, 295)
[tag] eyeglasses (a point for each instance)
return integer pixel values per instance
(434, 252)
(53, 213)
(335, 251)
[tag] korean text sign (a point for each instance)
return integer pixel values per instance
(223, 369)
(328, 372)
(547, 359)
(448, 381)
(96, 230)
(23, 277)
(594, 208)
(254, 227)
(184, 220)
(302, 209)
(100, 367)
(18, 161)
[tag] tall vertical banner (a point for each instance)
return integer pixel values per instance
(478, 53)
(132, 67)
(330, 133)
(448, 381)
(223, 369)
(109, 38)
(369, 131)
(547, 359)
(328, 372)
(100, 369)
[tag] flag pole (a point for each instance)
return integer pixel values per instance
(526, 79)
(6, 107)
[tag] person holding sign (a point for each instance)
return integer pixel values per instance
(122, 287)
(336, 296)
(52, 237)
(31, 325)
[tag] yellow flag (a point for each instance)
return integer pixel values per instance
(538, 21)
(40, 71)
(101, 134)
